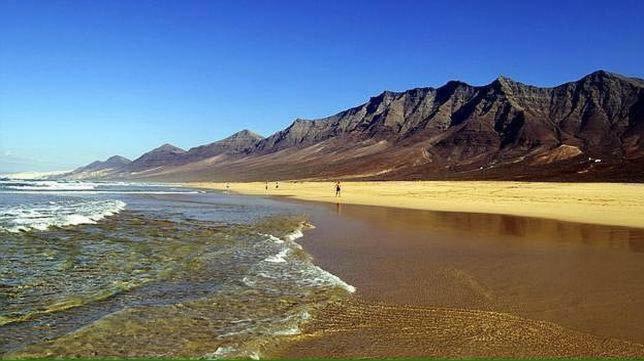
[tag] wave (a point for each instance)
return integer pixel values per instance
(267, 285)
(46, 185)
(56, 214)
(301, 270)
(287, 265)
(57, 192)
(60, 187)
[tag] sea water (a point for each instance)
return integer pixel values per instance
(121, 269)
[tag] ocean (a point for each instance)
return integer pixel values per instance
(134, 269)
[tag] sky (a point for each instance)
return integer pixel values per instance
(84, 80)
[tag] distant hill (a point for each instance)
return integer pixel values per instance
(241, 142)
(587, 130)
(99, 169)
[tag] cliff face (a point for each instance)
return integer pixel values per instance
(590, 129)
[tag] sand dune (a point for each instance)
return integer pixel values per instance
(598, 203)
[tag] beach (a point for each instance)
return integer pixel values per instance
(448, 284)
(124, 270)
(597, 203)
(460, 284)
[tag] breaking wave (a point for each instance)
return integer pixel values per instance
(46, 185)
(40, 216)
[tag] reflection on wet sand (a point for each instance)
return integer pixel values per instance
(511, 230)
(548, 280)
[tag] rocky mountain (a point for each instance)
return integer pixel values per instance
(164, 155)
(99, 168)
(241, 142)
(590, 129)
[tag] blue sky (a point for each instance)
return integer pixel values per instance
(83, 80)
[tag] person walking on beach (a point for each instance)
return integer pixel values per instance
(338, 189)
(267, 186)
(277, 185)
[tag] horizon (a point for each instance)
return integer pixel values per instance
(138, 75)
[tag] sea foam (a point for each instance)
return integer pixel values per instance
(284, 269)
(48, 186)
(56, 214)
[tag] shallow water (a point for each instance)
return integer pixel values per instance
(148, 270)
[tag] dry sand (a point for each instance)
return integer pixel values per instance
(597, 203)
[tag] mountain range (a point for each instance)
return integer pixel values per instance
(587, 130)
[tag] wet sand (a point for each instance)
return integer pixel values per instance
(451, 284)
(598, 203)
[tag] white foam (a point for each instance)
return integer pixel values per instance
(304, 272)
(225, 352)
(294, 235)
(278, 258)
(328, 277)
(293, 329)
(284, 268)
(34, 175)
(243, 320)
(222, 351)
(272, 238)
(290, 331)
(63, 187)
(248, 282)
(42, 216)
(59, 192)
(48, 186)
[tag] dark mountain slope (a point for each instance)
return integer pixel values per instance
(163, 156)
(590, 129)
(240, 142)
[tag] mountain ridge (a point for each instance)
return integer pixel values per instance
(501, 130)
(99, 168)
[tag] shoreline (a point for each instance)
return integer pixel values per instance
(472, 285)
(469, 282)
(617, 204)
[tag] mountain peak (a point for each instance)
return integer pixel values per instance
(245, 134)
(603, 76)
(602, 73)
(239, 142)
(454, 84)
(504, 79)
(386, 94)
(117, 159)
(113, 162)
(167, 147)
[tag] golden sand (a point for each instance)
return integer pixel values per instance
(459, 285)
(597, 203)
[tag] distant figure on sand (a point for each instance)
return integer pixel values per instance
(338, 189)
(277, 185)
(227, 186)
(267, 186)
